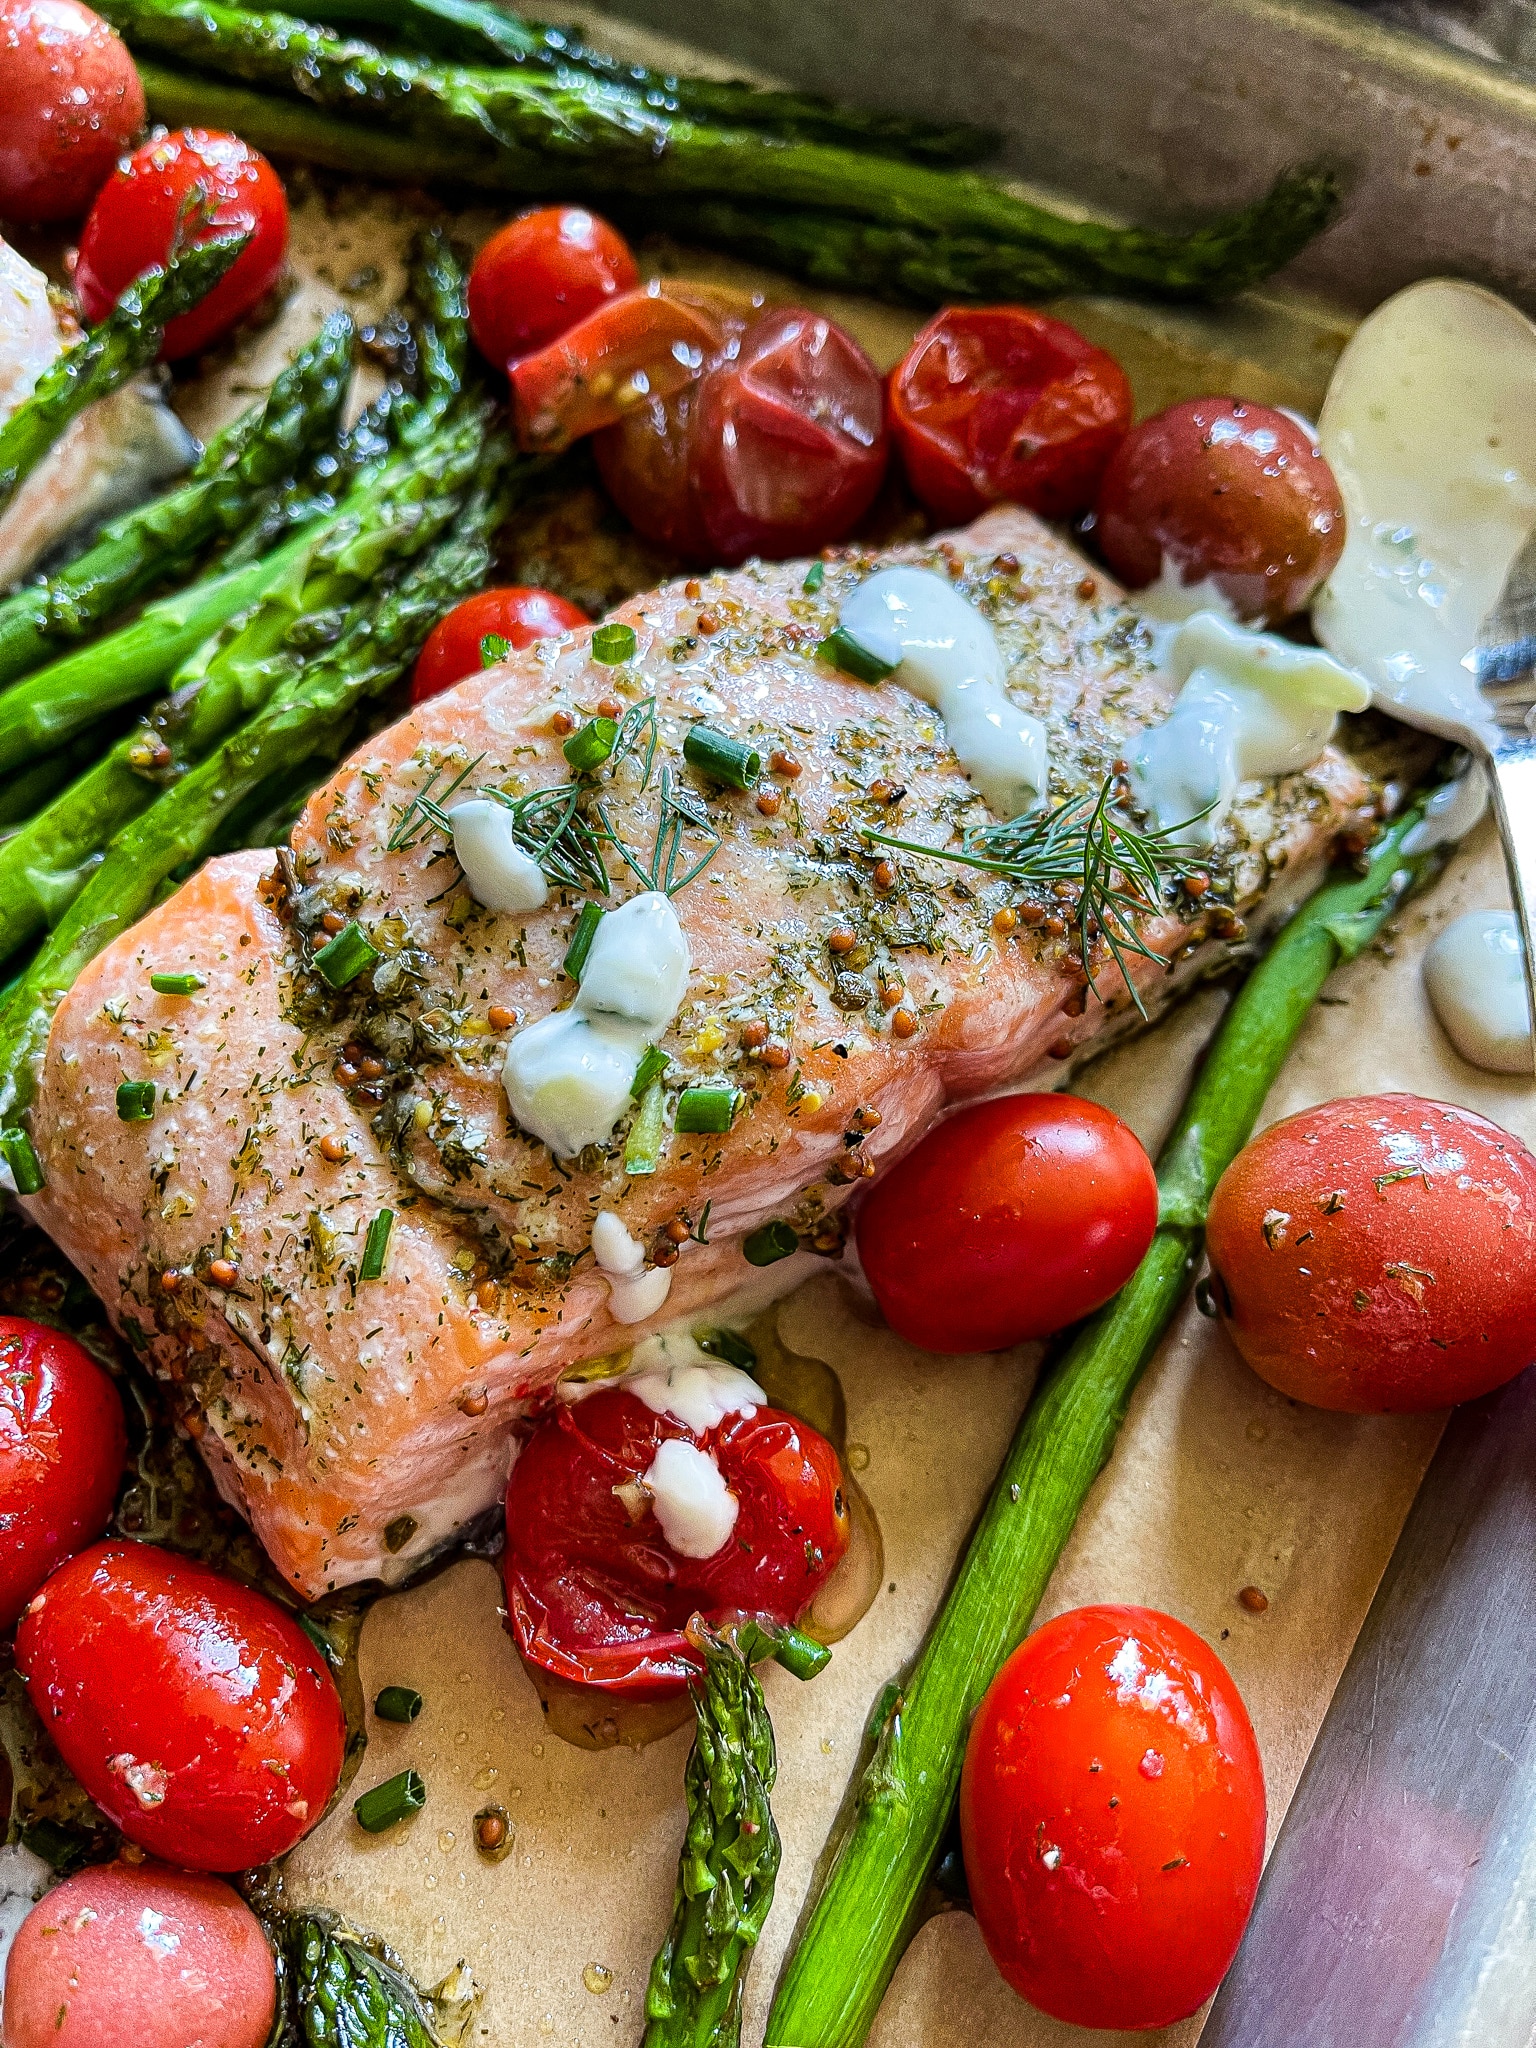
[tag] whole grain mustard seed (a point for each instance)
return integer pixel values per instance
(333, 1149)
(1253, 1599)
(903, 1023)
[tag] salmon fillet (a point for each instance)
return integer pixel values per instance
(360, 1423)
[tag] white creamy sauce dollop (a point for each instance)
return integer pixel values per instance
(1450, 812)
(944, 651)
(568, 1076)
(1250, 705)
(633, 1292)
(501, 876)
(675, 1376)
(1475, 975)
(696, 1509)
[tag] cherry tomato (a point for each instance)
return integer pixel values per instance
(1011, 1219)
(645, 343)
(73, 104)
(188, 184)
(516, 613)
(1216, 490)
(199, 1717)
(62, 1445)
(1378, 1254)
(136, 1952)
(539, 275)
(1112, 1817)
(595, 1591)
(998, 402)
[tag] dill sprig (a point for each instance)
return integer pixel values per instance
(548, 825)
(1120, 870)
(427, 809)
(637, 734)
(683, 816)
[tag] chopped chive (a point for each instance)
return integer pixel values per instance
(376, 1246)
(642, 1148)
(581, 939)
(613, 644)
(716, 753)
(318, 1637)
(391, 1802)
(706, 1109)
(590, 746)
(398, 1703)
(135, 1101)
(176, 984)
(17, 1151)
(814, 576)
(729, 1344)
(493, 649)
(800, 1654)
(770, 1243)
(653, 1064)
(347, 956)
(840, 650)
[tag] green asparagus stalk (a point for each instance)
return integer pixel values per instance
(341, 1994)
(107, 355)
(562, 134)
(832, 1984)
(475, 32)
(238, 471)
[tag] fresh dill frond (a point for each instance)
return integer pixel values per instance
(548, 825)
(637, 734)
(681, 817)
(427, 809)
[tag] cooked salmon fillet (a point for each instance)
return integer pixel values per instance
(361, 1422)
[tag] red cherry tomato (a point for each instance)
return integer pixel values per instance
(998, 402)
(644, 343)
(62, 1445)
(1236, 494)
(191, 183)
(73, 103)
(135, 1952)
(516, 613)
(596, 1593)
(1011, 1219)
(199, 1717)
(1112, 1817)
(1378, 1254)
(539, 275)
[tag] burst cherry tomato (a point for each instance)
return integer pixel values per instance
(645, 343)
(62, 1445)
(1215, 490)
(998, 402)
(1378, 1254)
(124, 1952)
(598, 1594)
(199, 1717)
(1011, 1219)
(1112, 1816)
(73, 103)
(516, 613)
(539, 275)
(190, 184)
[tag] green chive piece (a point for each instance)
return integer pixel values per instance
(493, 649)
(17, 1151)
(613, 644)
(841, 651)
(347, 956)
(590, 747)
(815, 576)
(176, 984)
(716, 753)
(135, 1101)
(770, 1243)
(390, 1803)
(581, 939)
(800, 1654)
(398, 1703)
(642, 1148)
(376, 1246)
(707, 1109)
(653, 1064)
(728, 1344)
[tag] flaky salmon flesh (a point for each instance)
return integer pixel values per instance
(849, 993)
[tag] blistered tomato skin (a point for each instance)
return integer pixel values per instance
(539, 275)
(138, 1953)
(1112, 1816)
(72, 101)
(1237, 495)
(198, 1715)
(62, 1445)
(518, 613)
(1378, 1254)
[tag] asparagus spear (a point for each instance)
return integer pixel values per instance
(475, 32)
(236, 474)
(562, 134)
(340, 1994)
(850, 1945)
(107, 355)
